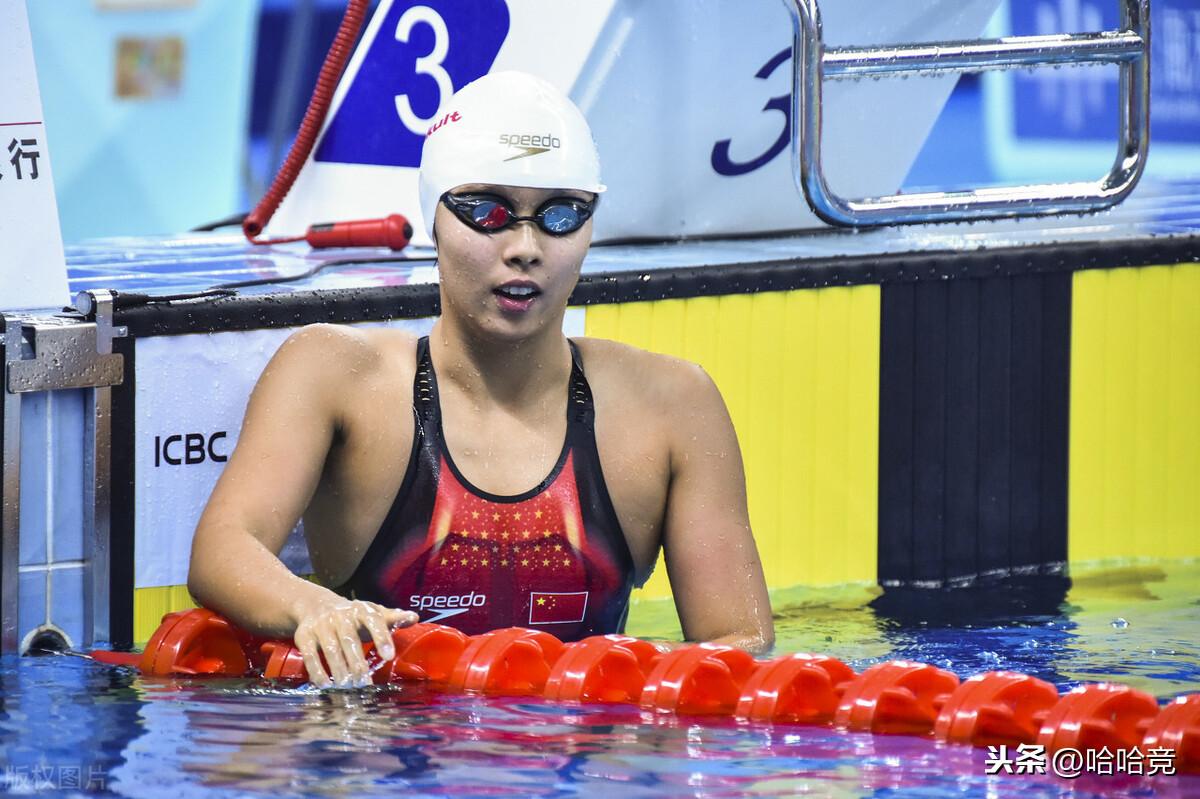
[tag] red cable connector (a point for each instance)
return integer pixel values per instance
(394, 231)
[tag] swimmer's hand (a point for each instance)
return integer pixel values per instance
(335, 629)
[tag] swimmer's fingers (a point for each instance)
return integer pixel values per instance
(306, 642)
(373, 618)
(331, 646)
(396, 618)
(351, 647)
(337, 634)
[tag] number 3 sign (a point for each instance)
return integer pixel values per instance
(438, 47)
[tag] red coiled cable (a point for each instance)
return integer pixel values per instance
(314, 117)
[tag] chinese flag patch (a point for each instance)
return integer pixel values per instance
(546, 607)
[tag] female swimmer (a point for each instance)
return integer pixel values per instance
(496, 473)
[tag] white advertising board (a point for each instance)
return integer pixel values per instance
(33, 271)
(688, 102)
(191, 396)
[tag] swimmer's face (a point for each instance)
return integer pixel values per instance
(512, 282)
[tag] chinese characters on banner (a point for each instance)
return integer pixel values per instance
(23, 150)
(33, 272)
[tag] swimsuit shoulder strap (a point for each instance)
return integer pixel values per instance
(425, 394)
(580, 407)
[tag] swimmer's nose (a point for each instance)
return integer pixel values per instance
(522, 246)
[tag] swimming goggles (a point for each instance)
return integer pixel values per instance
(489, 213)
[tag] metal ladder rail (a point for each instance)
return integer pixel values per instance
(813, 64)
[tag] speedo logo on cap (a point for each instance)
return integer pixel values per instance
(529, 144)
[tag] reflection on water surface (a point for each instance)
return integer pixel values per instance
(71, 719)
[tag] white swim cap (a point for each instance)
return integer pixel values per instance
(507, 129)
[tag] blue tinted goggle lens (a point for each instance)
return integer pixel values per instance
(560, 218)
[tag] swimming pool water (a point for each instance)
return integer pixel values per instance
(66, 722)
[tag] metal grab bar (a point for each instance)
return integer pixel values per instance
(813, 64)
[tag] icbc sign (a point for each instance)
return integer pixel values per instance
(189, 449)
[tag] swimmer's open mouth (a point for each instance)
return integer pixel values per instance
(518, 291)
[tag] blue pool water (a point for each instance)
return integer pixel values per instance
(71, 726)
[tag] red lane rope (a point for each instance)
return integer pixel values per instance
(997, 709)
(310, 126)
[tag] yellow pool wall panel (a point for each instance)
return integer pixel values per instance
(1134, 487)
(151, 604)
(799, 371)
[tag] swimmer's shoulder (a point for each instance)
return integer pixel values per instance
(658, 380)
(341, 358)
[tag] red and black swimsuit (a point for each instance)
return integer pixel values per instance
(553, 558)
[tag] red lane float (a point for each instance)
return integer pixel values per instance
(603, 668)
(198, 641)
(509, 662)
(999, 707)
(700, 680)
(799, 688)
(1177, 727)
(898, 697)
(423, 652)
(284, 661)
(1098, 716)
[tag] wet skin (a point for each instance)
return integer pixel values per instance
(328, 432)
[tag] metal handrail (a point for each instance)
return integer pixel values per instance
(813, 64)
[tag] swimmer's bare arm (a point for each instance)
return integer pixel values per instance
(291, 420)
(712, 561)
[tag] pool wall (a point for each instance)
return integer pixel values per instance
(910, 419)
(914, 420)
(933, 430)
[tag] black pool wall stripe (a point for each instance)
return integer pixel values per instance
(973, 410)
(122, 521)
